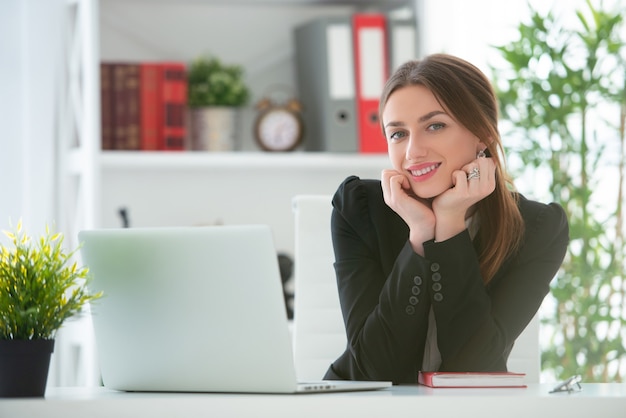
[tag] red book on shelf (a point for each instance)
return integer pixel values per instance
(370, 61)
(472, 379)
(106, 106)
(173, 106)
(149, 94)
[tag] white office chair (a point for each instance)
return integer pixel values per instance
(319, 334)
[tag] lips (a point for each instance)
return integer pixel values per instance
(423, 170)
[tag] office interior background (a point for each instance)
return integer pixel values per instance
(253, 33)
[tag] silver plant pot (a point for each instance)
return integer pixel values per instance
(214, 128)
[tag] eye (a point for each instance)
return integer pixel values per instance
(397, 136)
(435, 126)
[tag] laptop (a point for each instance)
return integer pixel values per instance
(193, 309)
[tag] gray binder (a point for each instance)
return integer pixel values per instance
(402, 40)
(326, 83)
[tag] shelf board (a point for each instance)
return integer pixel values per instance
(358, 3)
(240, 160)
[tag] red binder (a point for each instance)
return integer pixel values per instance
(371, 65)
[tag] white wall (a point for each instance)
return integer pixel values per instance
(11, 103)
(30, 34)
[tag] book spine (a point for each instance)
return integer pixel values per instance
(126, 106)
(173, 107)
(149, 95)
(425, 379)
(132, 107)
(119, 119)
(106, 106)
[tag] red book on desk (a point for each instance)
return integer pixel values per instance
(472, 379)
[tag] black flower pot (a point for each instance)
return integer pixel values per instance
(24, 366)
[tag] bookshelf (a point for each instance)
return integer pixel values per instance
(96, 183)
(181, 188)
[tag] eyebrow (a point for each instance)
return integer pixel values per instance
(431, 115)
(422, 119)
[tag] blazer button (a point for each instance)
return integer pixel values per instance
(417, 280)
(438, 297)
(436, 277)
(413, 300)
(415, 290)
(434, 267)
(410, 310)
(436, 287)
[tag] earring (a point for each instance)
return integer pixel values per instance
(481, 154)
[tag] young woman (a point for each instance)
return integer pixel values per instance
(440, 265)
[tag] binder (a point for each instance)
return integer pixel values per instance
(371, 64)
(402, 40)
(326, 84)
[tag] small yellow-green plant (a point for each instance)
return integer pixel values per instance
(40, 287)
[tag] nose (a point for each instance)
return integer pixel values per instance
(415, 148)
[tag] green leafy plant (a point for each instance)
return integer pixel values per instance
(211, 83)
(563, 91)
(40, 287)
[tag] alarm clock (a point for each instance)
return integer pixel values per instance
(278, 126)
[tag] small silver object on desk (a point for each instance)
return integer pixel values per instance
(570, 385)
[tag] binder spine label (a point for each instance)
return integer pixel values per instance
(340, 62)
(372, 62)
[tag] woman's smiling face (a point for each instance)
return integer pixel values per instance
(425, 142)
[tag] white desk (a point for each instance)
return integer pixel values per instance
(596, 400)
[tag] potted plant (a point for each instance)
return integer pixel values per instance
(40, 287)
(562, 92)
(215, 93)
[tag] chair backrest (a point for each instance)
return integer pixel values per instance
(319, 334)
(526, 354)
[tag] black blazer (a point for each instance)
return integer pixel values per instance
(386, 290)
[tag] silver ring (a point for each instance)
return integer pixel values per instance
(474, 174)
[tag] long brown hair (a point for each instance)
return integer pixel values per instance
(465, 92)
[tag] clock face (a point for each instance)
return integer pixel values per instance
(279, 130)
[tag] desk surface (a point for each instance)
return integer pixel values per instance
(599, 400)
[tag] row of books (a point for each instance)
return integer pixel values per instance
(143, 105)
(342, 65)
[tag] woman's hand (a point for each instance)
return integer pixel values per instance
(469, 187)
(416, 212)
